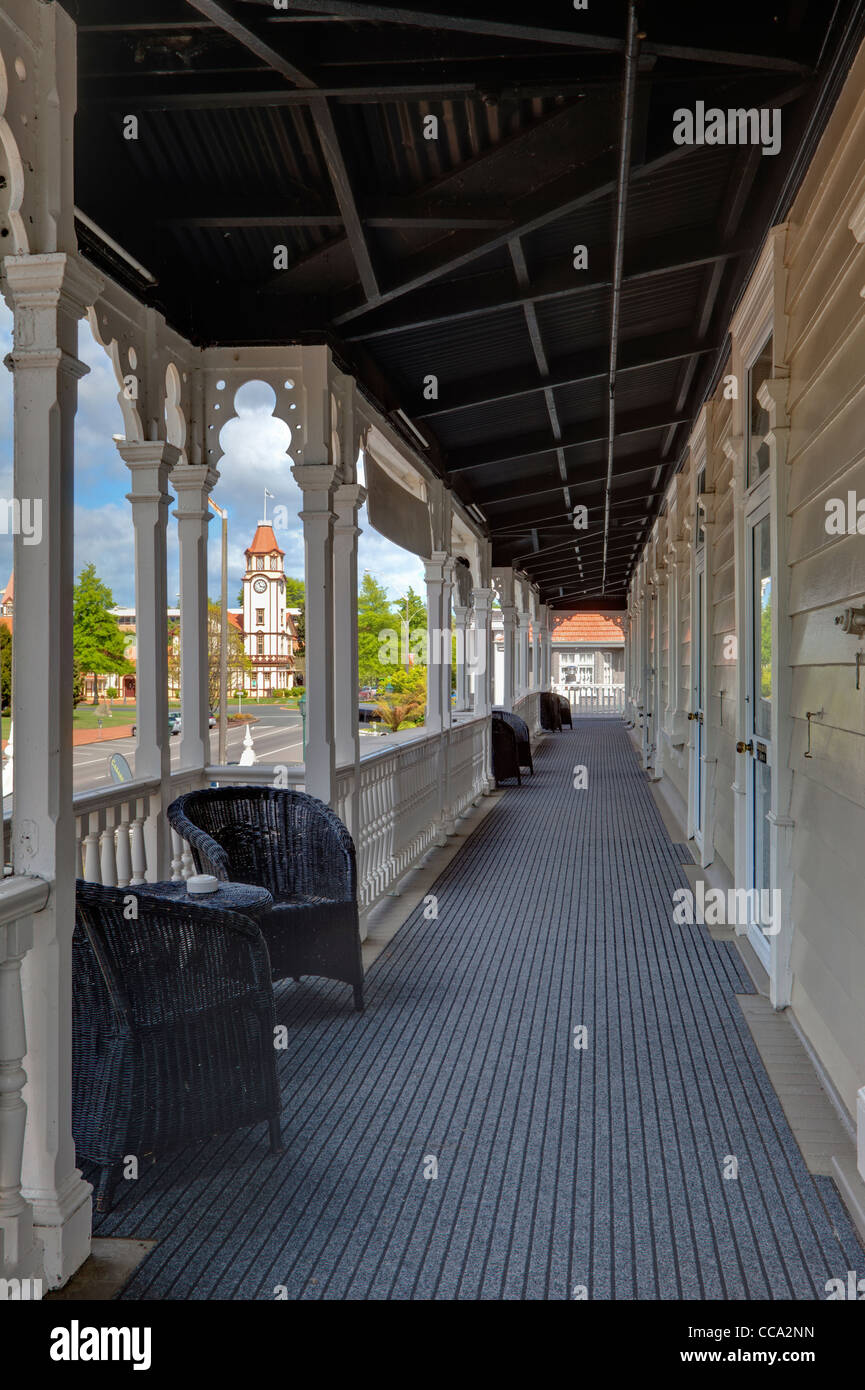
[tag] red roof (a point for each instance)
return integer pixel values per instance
(9, 591)
(589, 627)
(235, 620)
(264, 541)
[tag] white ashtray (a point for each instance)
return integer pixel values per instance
(202, 883)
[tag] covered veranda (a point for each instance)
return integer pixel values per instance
(468, 254)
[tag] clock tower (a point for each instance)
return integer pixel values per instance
(268, 630)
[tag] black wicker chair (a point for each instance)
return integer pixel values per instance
(565, 711)
(551, 717)
(521, 729)
(506, 758)
(296, 847)
(172, 1029)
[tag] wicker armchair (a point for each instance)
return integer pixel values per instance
(565, 711)
(296, 847)
(551, 717)
(521, 729)
(506, 759)
(172, 1028)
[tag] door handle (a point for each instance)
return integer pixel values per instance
(745, 747)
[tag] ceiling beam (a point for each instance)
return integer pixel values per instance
(681, 250)
(596, 473)
(596, 179)
(447, 223)
(462, 23)
(591, 432)
(225, 18)
(535, 157)
(635, 355)
(535, 33)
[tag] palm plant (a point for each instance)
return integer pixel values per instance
(394, 713)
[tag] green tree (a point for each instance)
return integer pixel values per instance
(238, 662)
(295, 597)
(97, 640)
(375, 619)
(5, 667)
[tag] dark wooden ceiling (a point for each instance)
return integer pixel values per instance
(304, 127)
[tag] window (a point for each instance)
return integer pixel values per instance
(585, 672)
(700, 523)
(259, 562)
(274, 562)
(259, 644)
(758, 418)
(259, 617)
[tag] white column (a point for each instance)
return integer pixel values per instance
(548, 649)
(509, 628)
(48, 294)
(446, 643)
(435, 568)
(347, 501)
(149, 464)
(523, 654)
(461, 623)
(193, 484)
(537, 683)
(317, 482)
(482, 600)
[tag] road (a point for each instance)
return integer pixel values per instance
(277, 736)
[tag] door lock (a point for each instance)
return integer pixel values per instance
(745, 747)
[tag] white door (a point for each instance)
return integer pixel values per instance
(698, 698)
(758, 723)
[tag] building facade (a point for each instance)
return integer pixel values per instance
(269, 634)
(588, 650)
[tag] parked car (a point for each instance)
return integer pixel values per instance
(369, 719)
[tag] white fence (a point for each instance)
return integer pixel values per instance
(408, 797)
(21, 898)
(596, 699)
(528, 707)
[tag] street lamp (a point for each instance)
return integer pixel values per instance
(223, 638)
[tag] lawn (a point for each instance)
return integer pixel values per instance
(88, 716)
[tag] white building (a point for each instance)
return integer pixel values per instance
(269, 634)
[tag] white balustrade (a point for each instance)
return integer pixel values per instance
(110, 833)
(20, 1252)
(529, 709)
(399, 814)
(596, 699)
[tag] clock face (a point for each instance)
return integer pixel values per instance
(260, 586)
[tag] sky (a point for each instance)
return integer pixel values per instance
(254, 459)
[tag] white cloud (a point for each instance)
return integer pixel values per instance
(255, 458)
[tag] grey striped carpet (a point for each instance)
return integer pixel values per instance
(559, 1169)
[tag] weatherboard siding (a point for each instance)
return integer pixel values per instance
(826, 355)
